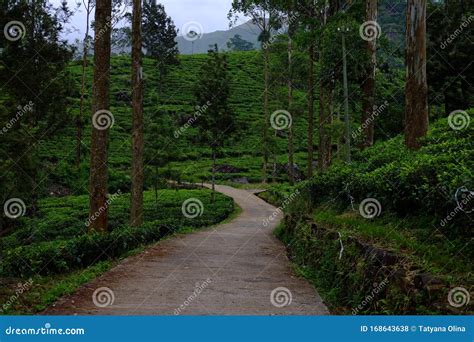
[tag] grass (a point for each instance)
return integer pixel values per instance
(407, 237)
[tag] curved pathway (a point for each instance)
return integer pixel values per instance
(230, 269)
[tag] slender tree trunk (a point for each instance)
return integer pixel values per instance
(310, 110)
(98, 207)
(136, 214)
(291, 172)
(347, 123)
(79, 119)
(213, 174)
(416, 90)
(324, 148)
(368, 87)
(266, 113)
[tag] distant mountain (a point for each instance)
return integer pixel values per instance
(248, 31)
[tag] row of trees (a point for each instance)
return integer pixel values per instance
(152, 31)
(316, 27)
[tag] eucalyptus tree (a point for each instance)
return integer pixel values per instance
(98, 206)
(261, 13)
(416, 89)
(136, 193)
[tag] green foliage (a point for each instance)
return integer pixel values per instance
(57, 240)
(406, 182)
(236, 43)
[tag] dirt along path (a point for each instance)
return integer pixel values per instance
(234, 268)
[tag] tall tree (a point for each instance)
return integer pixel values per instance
(368, 87)
(260, 12)
(98, 207)
(37, 89)
(237, 43)
(159, 38)
(325, 117)
(88, 6)
(416, 89)
(136, 213)
(213, 91)
(291, 29)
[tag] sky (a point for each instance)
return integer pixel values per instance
(210, 14)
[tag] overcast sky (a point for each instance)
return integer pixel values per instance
(210, 14)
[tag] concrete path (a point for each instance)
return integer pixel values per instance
(236, 268)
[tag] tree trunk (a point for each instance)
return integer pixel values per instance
(79, 119)
(136, 214)
(98, 206)
(347, 123)
(416, 90)
(324, 147)
(368, 87)
(266, 114)
(213, 174)
(310, 110)
(291, 173)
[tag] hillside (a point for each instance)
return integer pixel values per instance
(176, 102)
(247, 31)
